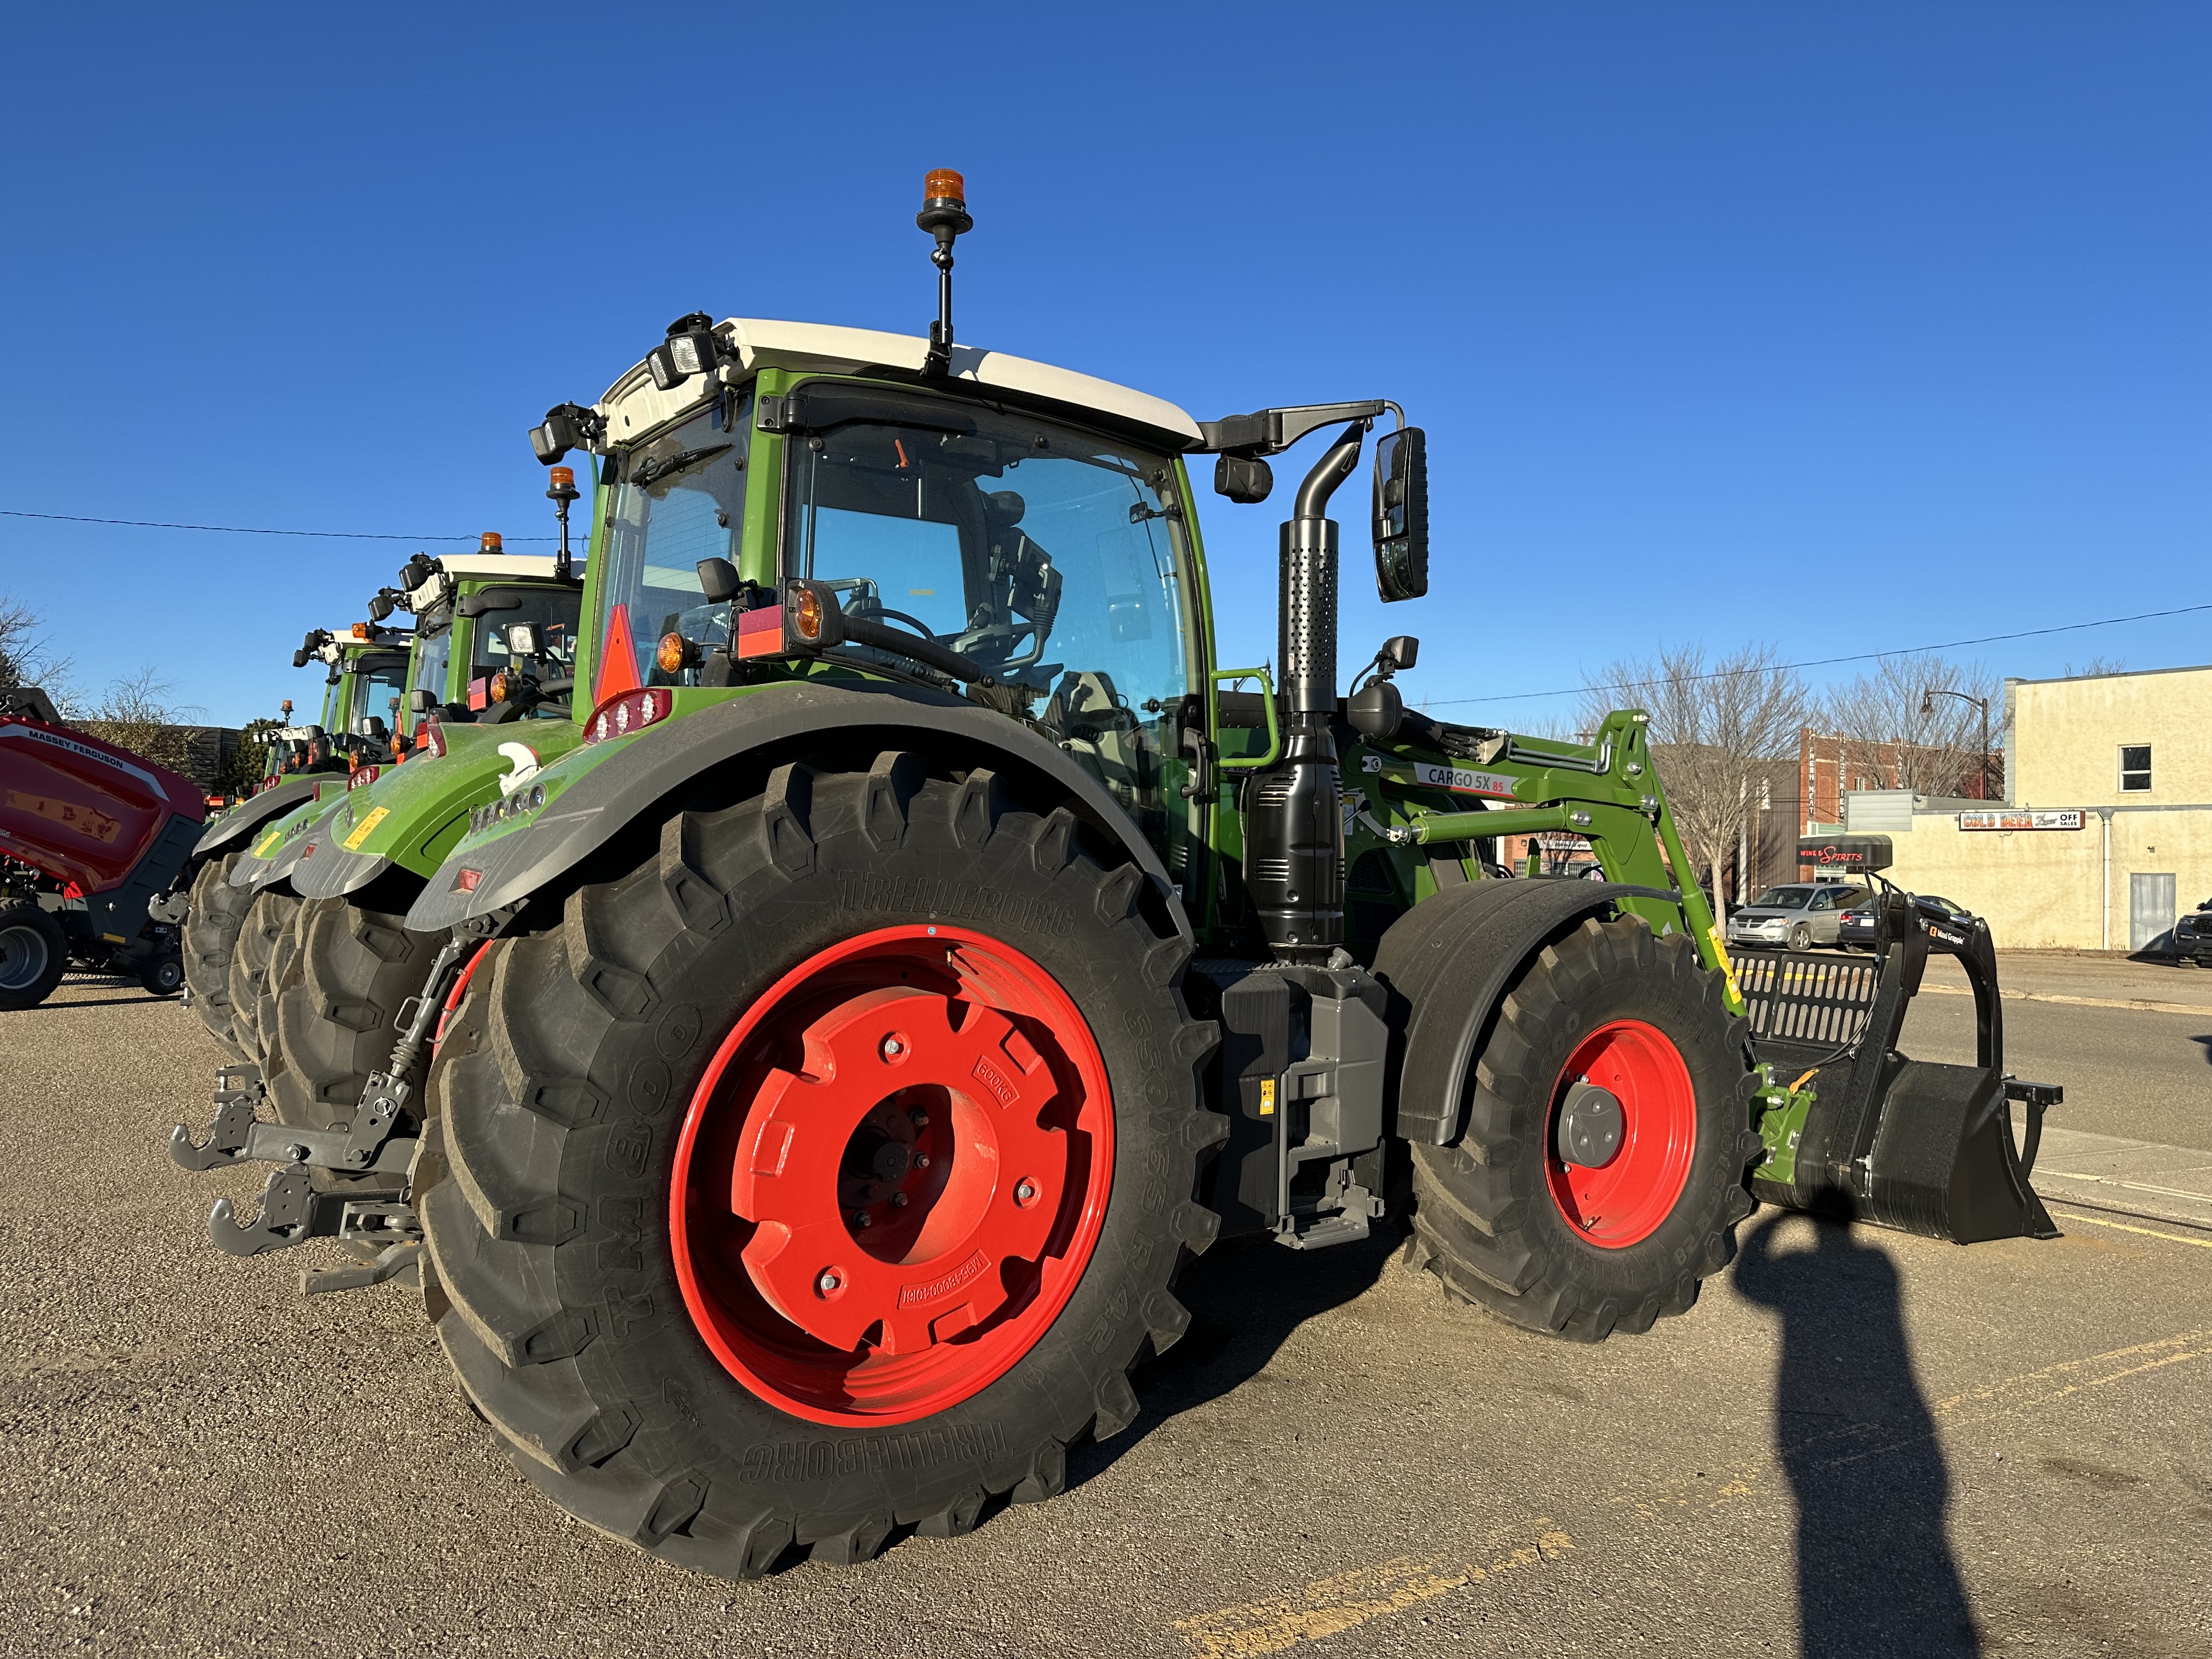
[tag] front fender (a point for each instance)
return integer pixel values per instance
(624, 779)
(1448, 960)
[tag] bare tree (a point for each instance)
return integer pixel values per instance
(136, 714)
(26, 659)
(1908, 721)
(2094, 667)
(1713, 720)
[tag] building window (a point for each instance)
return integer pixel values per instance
(2135, 767)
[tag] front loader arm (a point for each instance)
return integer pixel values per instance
(1608, 791)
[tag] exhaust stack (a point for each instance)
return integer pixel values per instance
(1294, 822)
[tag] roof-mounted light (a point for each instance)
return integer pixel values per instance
(689, 349)
(567, 426)
(489, 543)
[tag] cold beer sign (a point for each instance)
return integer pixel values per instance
(2071, 818)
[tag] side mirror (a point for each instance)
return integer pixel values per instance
(1247, 483)
(525, 639)
(370, 726)
(299, 659)
(1401, 514)
(420, 702)
(1401, 652)
(718, 580)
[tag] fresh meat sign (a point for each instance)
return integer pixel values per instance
(2069, 819)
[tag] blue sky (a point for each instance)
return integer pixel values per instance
(1850, 327)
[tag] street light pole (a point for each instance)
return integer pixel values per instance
(1928, 706)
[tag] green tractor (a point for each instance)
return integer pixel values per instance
(366, 676)
(297, 926)
(928, 944)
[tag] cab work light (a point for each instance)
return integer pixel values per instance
(688, 349)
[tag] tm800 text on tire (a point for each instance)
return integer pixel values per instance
(824, 1175)
(1602, 1172)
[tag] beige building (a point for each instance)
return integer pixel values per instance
(2106, 834)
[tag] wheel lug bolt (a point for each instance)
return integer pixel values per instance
(921, 1160)
(893, 1048)
(919, 1118)
(898, 1200)
(829, 1282)
(1025, 1193)
(863, 1221)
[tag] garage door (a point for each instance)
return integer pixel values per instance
(2151, 909)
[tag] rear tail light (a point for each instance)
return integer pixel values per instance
(360, 776)
(428, 736)
(627, 712)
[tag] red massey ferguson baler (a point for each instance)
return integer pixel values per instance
(93, 839)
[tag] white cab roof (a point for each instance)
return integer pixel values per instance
(633, 404)
(485, 566)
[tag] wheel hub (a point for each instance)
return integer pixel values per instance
(892, 1175)
(1590, 1125)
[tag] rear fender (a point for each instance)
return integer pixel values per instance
(600, 791)
(413, 814)
(1448, 963)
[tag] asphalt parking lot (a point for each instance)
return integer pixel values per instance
(1857, 1443)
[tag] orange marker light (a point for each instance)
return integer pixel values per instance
(944, 184)
(362, 630)
(564, 478)
(499, 686)
(489, 543)
(806, 614)
(674, 652)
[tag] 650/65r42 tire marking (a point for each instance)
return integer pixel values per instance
(892, 1175)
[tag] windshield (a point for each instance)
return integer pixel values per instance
(434, 652)
(681, 500)
(1783, 898)
(380, 688)
(554, 609)
(1043, 556)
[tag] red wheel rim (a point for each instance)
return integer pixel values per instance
(939, 1083)
(1623, 1201)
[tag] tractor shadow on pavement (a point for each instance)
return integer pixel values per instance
(1246, 1296)
(1853, 1432)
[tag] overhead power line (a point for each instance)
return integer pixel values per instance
(239, 530)
(1824, 662)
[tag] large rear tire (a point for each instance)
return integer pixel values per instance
(34, 955)
(611, 1163)
(336, 1005)
(1628, 1039)
(211, 930)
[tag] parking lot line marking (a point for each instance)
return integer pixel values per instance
(1347, 1600)
(1330, 1606)
(2129, 1227)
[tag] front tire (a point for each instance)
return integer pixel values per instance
(611, 1158)
(1800, 938)
(1583, 1250)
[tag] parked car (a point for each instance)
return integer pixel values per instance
(1797, 917)
(2192, 937)
(1856, 925)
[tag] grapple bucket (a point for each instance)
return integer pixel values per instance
(1870, 1135)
